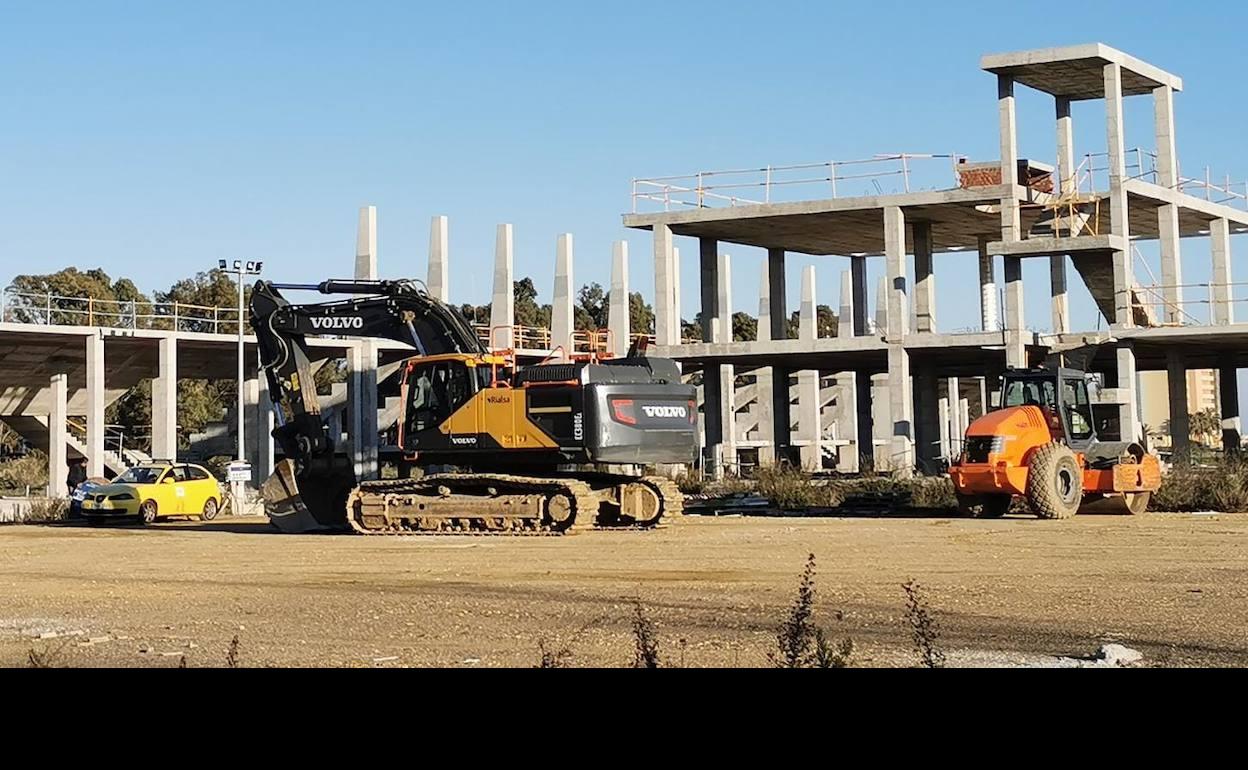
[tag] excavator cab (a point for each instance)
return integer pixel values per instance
(1041, 444)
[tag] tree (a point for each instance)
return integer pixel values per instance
(827, 322)
(744, 327)
(640, 314)
(592, 308)
(76, 298)
(1206, 426)
(212, 289)
(527, 311)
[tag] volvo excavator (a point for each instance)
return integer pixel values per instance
(488, 446)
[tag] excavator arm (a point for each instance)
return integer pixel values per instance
(312, 481)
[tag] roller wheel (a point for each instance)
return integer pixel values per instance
(984, 506)
(1137, 502)
(1054, 482)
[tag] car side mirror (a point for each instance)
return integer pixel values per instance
(167, 481)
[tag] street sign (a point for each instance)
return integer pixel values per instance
(239, 471)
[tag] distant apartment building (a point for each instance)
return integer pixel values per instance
(1202, 395)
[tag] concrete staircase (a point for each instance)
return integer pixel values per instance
(1097, 271)
(35, 430)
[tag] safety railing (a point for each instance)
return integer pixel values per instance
(901, 172)
(537, 338)
(119, 439)
(1092, 174)
(47, 309)
(1201, 304)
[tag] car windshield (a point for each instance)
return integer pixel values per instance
(139, 476)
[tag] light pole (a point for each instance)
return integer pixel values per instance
(241, 270)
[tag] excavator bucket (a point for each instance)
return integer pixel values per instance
(308, 502)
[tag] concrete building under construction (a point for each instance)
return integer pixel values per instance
(905, 388)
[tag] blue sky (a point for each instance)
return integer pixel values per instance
(152, 138)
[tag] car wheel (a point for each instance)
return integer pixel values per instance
(147, 512)
(210, 510)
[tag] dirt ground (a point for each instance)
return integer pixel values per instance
(1008, 592)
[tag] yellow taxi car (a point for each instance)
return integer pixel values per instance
(156, 490)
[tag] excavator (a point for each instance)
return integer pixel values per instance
(487, 446)
(1041, 445)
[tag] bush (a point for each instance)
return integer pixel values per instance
(790, 488)
(44, 510)
(29, 471)
(1221, 486)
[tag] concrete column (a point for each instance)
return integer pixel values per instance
(503, 306)
(1163, 127)
(858, 267)
(881, 307)
(366, 245)
(847, 387)
(957, 426)
(666, 322)
(679, 330)
(251, 423)
(927, 416)
(1171, 262)
(864, 438)
(58, 452)
(362, 397)
(727, 372)
(1015, 324)
(1065, 147)
(1124, 280)
(1180, 423)
(778, 312)
(945, 418)
(1228, 395)
(1128, 385)
(438, 280)
(618, 319)
(95, 405)
(764, 377)
(561, 324)
(989, 317)
(900, 406)
(808, 397)
(1220, 244)
(895, 253)
(924, 279)
(1011, 227)
(165, 401)
(709, 285)
(1059, 301)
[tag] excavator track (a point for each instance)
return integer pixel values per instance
(490, 504)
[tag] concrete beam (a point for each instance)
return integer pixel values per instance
(1180, 423)
(895, 251)
(561, 317)
(666, 321)
(366, 245)
(58, 452)
(439, 275)
(924, 280)
(618, 317)
(503, 305)
(95, 405)
(1011, 221)
(165, 401)
(989, 317)
(1220, 244)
